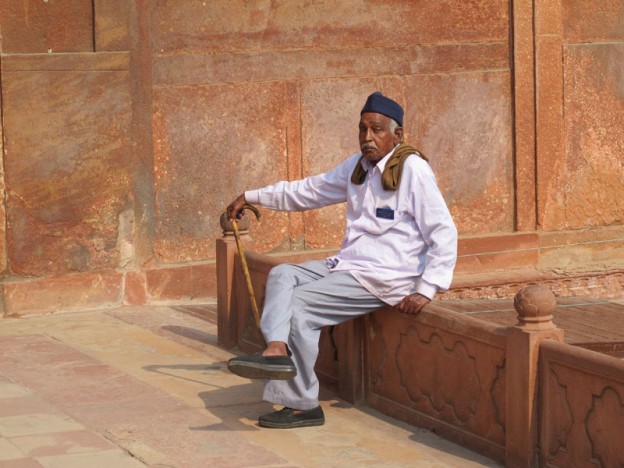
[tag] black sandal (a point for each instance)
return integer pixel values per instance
(257, 366)
(286, 418)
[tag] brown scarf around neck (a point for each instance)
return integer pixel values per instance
(391, 177)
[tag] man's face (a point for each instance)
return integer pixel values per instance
(376, 138)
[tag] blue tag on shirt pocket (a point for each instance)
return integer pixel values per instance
(384, 213)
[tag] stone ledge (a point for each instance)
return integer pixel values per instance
(75, 61)
(505, 284)
(84, 291)
(63, 293)
(327, 64)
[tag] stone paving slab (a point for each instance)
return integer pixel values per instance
(34, 433)
(148, 386)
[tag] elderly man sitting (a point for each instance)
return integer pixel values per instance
(399, 248)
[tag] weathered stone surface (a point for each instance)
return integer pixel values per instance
(463, 124)
(46, 26)
(580, 110)
(592, 190)
(111, 25)
(67, 166)
(504, 284)
(595, 237)
(498, 252)
(234, 26)
(183, 283)
(590, 250)
(71, 292)
(498, 243)
(382, 62)
(119, 61)
(590, 21)
(524, 113)
(135, 288)
(3, 246)
(550, 176)
(235, 138)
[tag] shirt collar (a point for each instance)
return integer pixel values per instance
(382, 162)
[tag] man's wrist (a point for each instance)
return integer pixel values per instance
(252, 197)
(426, 289)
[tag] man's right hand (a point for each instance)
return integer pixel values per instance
(235, 209)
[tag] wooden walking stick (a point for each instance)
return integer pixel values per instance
(241, 254)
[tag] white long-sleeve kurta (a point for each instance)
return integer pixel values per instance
(396, 242)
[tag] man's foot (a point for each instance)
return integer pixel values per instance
(288, 418)
(257, 366)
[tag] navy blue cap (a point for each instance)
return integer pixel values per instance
(380, 104)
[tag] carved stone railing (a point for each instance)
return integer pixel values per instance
(471, 381)
(582, 407)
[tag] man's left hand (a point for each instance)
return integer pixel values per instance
(413, 303)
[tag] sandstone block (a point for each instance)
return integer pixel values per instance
(67, 156)
(62, 294)
(41, 27)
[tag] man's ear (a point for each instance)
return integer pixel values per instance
(398, 135)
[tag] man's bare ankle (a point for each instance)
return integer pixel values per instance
(275, 348)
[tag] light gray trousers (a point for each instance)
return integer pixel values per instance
(299, 301)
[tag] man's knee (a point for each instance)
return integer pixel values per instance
(283, 270)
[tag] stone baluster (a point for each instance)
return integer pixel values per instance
(226, 252)
(534, 305)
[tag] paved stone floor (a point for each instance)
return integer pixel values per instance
(148, 386)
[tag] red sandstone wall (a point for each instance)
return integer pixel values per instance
(67, 170)
(247, 94)
(122, 154)
(3, 251)
(69, 130)
(46, 26)
(593, 103)
(580, 173)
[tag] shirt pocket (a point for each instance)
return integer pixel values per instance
(385, 218)
(386, 208)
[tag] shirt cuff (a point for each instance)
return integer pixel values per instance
(426, 289)
(252, 197)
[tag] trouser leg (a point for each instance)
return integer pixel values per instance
(281, 282)
(330, 299)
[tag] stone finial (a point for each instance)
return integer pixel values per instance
(226, 225)
(535, 305)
